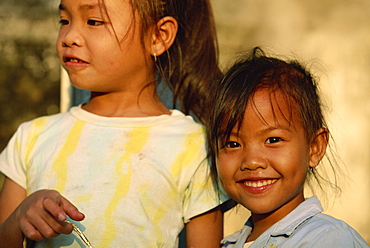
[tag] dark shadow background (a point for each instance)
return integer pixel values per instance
(29, 67)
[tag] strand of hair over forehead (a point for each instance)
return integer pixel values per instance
(236, 88)
(259, 71)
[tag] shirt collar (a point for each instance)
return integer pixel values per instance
(306, 210)
(286, 226)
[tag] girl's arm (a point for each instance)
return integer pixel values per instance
(10, 197)
(205, 230)
(40, 215)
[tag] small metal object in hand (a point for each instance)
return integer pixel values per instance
(80, 233)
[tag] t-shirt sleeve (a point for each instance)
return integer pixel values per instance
(201, 195)
(11, 164)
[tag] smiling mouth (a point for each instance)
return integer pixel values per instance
(259, 183)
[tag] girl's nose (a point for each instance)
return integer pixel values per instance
(72, 36)
(253, 159)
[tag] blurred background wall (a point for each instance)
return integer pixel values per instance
(334, 36)
(333, 33)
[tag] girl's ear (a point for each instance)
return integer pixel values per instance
(164, 35)
(318, 146)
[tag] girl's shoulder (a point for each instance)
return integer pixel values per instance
(328, 231)
(42, 121)
(328, 223)
(178, 122)
(307, 226)
(175, 113)
(44, 124)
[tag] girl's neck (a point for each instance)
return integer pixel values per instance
(118, 104)
(262, 222)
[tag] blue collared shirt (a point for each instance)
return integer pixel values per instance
(305, 226)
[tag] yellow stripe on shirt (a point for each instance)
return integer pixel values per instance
(137, 139)
(61, 164)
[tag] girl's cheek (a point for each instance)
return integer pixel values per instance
(221, 175)
(224, 168)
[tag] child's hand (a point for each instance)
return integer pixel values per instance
(42, 214)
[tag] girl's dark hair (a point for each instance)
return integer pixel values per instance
(229, 98)
(190, 65)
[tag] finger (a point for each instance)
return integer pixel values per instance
(41, 230)
(52, 206)
(47, 232)
(71, 210)
(55, 217)
(60, 207)
(49, 226)
(59, 227)
(31, 232)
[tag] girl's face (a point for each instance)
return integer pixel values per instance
(100, 46)
(264, 165)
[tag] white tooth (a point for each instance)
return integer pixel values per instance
(259, 183)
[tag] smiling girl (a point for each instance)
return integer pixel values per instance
(267, 135)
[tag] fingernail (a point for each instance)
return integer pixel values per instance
(61, 217)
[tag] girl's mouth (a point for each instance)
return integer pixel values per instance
(74, 63)
(73, 60)
(259, 183)
(256, 187)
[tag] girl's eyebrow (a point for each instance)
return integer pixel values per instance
(272, 128)
(263, 131)
(89, 6)
(82, 6)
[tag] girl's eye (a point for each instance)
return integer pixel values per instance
(232, 144)
(95, 23)
(273, 140)
(63, 22)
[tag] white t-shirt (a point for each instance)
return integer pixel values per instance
(246, 245)
(137, 180)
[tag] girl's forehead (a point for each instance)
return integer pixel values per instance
(118, 12)
(79, 5)
(274, 107)
(268, 96)
(86, 4)
(94, 4)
